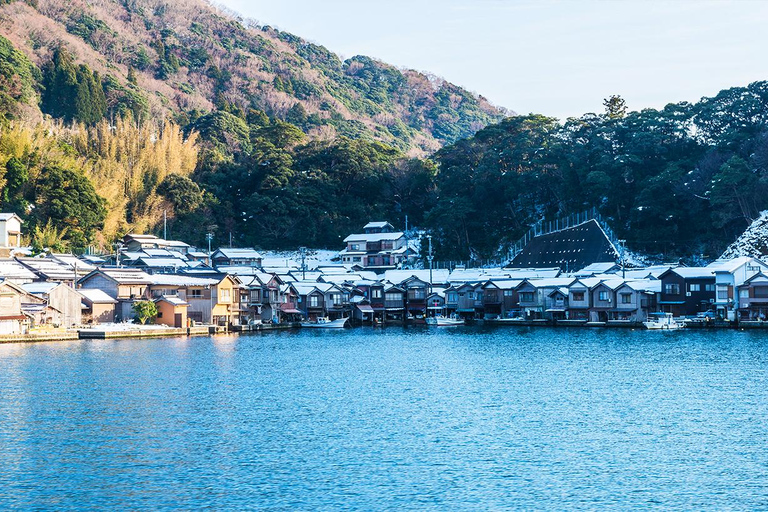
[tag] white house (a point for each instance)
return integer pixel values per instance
(10, 231)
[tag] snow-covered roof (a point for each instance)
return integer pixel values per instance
(439, 276)
(730, 265)
(49, 269)
(377, 225)
(126, 275)
(374, 237)
(8, 216)
(238, 253)
(73, 261)
(172, 299)
(41, 288)
(96, 296)
(694, 272)
(12, 269)
(182, 280)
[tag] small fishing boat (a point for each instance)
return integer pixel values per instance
(326, 323)
(663, 321)
(444, 321)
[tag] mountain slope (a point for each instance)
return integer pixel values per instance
(177, 56)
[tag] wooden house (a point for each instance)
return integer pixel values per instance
(171, 311)
(62, 297)
(687, 291)
(125, 285)
(753, 298)
(99, 307)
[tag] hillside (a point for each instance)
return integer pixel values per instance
(170, 58)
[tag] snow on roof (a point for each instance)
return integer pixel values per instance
(9, 216)
(439, 276)
(12, 269)
(73, 261)
(730, 265)
(126, 275)
(96, 296)
(182, 280)
(554, 282)
(504, 284)
(162, 262)
(646, 285)
(597, 268)
(532, 273)
(41, 288)
(48, 268)
(377, 224)
(172, 299)
(374, 237)
(238, 253)
(694, 272)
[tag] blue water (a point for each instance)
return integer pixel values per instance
(395, 419)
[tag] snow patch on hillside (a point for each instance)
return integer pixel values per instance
(753, 242)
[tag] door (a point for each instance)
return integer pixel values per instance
(177, 320)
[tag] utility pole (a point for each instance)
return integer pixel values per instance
(165, 225)
(303, 254)
(429, 258)
(623, 267)
(209, 237)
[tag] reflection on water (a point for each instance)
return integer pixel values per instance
(466, 418)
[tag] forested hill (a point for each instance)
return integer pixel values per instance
(170, 58)
(683, 181)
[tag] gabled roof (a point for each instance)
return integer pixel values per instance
(374, 237)
(183, 280)
(12, 269)
(41, 288)
(73, 261)
(49, 269)
(8, 216)
(692, 272)
(96, 296)
(732, 265)
(231, 253)
(172, 299)
(122, 275)
(378, 225)
(759, 277)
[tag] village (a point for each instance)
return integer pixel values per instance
(568, 275)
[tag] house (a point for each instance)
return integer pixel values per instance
(466, 300)
(416, 292)
(12, 318)
(62, 297)
(687, 291)
(213, 299)
(753, 298)
(556, 303)
(236, 257)
(361, 309)
(602, 300)
(436, 302)
(99, 307)
(125, 285)
(10, 233)
(171, 311)
(379, 247)
(14, 272)
(394, 303)
(730, 275)
(635, 299)
(80, 266)
(137, 243)
(47, 269)
(579, 298)
(500, 299)
(451, 300)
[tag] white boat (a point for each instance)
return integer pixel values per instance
(664, 321)
(325, 323)
(444, 321)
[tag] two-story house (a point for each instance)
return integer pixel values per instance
(730, 275)
(378, 248)
(125, 285)
(687, 291)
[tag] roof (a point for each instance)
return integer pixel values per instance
(732, 265)
(9, 216)
(571, 248)
(162, 262)
(12, 269)
(377, 224)
(73, 261)
(49, 269)
(96, 296)
(238, 253)
(598, 268)
(694, 272)
(181, 280)
(172, 299)
(40, 288)
(374, 237)
(124, 275)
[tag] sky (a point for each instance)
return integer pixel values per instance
(558, 58)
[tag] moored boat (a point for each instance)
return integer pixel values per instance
(326, 323)
(444, 321)
(663, 321)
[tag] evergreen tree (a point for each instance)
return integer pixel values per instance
(71, 92)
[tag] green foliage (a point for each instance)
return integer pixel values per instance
(123, 100)
(615, 107)
(72, 92)
(86, 26)
(49, 238)
(68, 200)
(18, 78)
(226, 132)
(183, 193)
(144, 310)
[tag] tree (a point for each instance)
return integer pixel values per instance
(49, 238)
(144, 310)
(183, 193)
(71, 92)
(615, 107)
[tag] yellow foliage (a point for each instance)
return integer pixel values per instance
(125, 160)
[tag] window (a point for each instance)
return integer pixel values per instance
(526, 297)
(753, 268)
(451, 297)
(626, 298)
(508, 293)
(744, 293)
(694, 287)
(602, 296)
(354, 247)
(709, 287)
(722, 292)
(471, 295)
(195, 293)
(314, 301)
(356, 259)
(335, 299)
(225, 295)
(578, 296)
(394, 296)
(416, 294)
(376, 293)
(385, 260)
(761, 292)
(672, 289)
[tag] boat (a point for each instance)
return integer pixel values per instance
(663, 321)
(326, 323)
(444, 321)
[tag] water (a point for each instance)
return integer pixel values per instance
(396, 419)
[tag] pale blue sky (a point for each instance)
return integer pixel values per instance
(559, 58)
